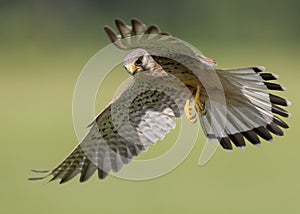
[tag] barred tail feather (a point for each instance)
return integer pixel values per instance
(251, 110)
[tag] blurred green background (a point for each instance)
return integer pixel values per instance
(44, 46)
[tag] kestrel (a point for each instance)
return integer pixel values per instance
(170, 79)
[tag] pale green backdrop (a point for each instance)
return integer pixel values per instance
(45, 44)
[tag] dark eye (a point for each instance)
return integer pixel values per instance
(139, 61)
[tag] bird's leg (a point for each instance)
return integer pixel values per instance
(188, 111)
(200, 107)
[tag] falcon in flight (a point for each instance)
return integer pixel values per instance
(170, 78)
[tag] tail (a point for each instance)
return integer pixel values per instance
(251, 111)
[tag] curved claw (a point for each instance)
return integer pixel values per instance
(200, 107)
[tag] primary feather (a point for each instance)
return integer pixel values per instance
(243, 108)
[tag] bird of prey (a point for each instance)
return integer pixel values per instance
(170, 79)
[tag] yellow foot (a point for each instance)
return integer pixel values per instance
(192, 117)
(200, 107)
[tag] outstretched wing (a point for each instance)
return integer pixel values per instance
(250, 110)
(139, 117)
(247, 110)
(155, 42)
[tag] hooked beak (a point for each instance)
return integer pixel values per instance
(132, 70)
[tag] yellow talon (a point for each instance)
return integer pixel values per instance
(188, 111)
(200, 107)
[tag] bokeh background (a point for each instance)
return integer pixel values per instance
(45, 44)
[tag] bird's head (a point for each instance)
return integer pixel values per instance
(138, 61)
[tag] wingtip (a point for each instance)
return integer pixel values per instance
(135, 21)
(40, 171)
(35, 179)
(152, 29)
(111, 34)
(106, 28)
(119, 21)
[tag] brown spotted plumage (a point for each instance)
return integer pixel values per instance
(166, 74)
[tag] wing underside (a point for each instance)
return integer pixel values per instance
(250, 112)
